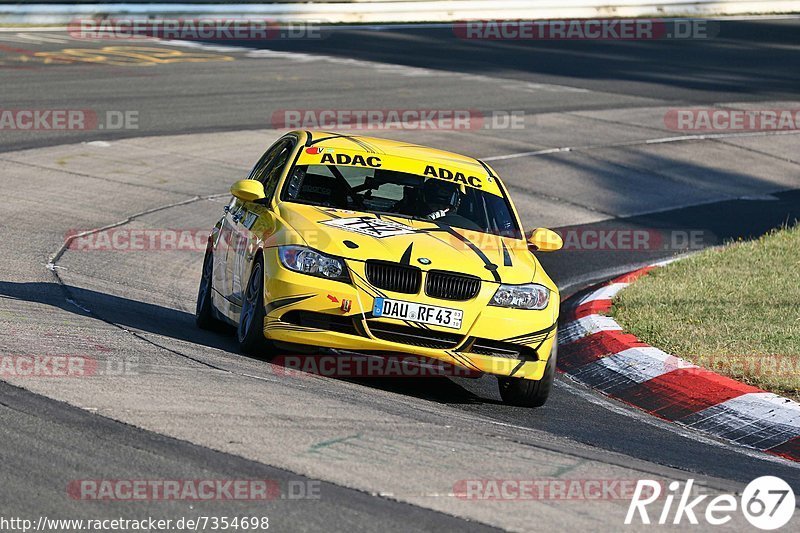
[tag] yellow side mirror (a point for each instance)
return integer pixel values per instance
(248, 190)
(545, 240)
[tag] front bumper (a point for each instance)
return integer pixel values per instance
(308, 310)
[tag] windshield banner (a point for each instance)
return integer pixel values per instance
(468, 176)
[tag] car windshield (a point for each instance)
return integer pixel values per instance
(406, 195)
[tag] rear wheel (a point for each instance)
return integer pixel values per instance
(528, 392)
(250, 331)
(204, 312)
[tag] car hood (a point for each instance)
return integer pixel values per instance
(427, 245)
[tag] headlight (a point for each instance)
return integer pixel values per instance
(308, 261)
(530, 296)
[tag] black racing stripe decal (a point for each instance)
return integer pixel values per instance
(540, 344)
(530, 339)
(290, 327)
(466, 361)
(506, 255)
(303, 330)
(326, 213)
(283, 302)
(368, 288)
(359, 142)
(310, 138)
(374, 148)
(491, 267)
(285, 325)
(533, 334)
(331, 135)
(406, 259)
(516, 368)
(360, 325)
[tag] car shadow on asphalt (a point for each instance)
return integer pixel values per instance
(155, 319)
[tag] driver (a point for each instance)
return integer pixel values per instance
(440, 198)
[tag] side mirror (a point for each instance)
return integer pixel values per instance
(545, 240)
(248, 190)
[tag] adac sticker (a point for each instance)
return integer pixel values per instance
(455, 177)
(373, 227)
(357, 160)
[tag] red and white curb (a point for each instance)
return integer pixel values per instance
(594, 350)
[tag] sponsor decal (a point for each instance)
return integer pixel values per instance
(455, 177)
(355, 160)
(316, 150)
(373, 227)
(249, 219)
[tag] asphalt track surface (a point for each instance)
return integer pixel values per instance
(388, 452)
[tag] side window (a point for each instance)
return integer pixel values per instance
(268, 170)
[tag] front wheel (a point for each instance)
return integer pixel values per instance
(204, 313)
(250, 331)
(528, 392)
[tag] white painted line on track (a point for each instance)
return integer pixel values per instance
(642, 142)
(404, 70)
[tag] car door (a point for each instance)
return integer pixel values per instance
(245, 215)
(222, 277)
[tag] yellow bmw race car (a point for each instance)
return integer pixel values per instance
(363, 245)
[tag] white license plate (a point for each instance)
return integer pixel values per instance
(427, 314)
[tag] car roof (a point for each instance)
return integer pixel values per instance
(346, 141)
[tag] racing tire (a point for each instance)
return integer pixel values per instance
(529, 392)
(250, 331)
(204, 312)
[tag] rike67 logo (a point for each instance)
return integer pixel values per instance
(767, 503)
